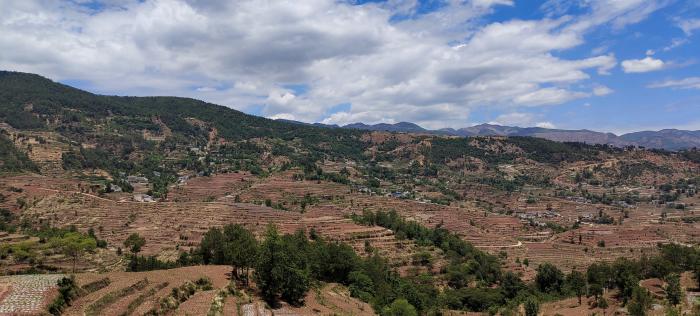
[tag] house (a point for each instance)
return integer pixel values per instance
(143, 198)
(114, 188)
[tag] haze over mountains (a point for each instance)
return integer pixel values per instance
(669, 139)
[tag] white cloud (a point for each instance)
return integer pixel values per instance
(520, 119)
(601, 90)
(676, 42)
(545, 125)
(646, 64)
(548, 96)
(685, 83)
(689, 26)
(432, 69)
(514, 118)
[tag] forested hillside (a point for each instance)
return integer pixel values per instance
(12, 159)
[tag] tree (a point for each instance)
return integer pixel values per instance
(602, 303)
(74, 244)
(532, 307)
(268, 271)
(399, 307)
(333, 261)
(626, 277)
(640, 302)
(599, 275)
(673, 289)
(596, 290)
(511, 285)
(361, 286)
(549, 279)
(134, 243)
(212, 247)
(241, 249)
(697, 273)
(279, 271)
(577, 283)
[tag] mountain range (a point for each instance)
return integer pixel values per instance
(46, 99)
(668, 139)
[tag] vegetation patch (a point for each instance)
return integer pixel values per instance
(179, 295)
(98, 306)
(67, 292)
(96, 285)
(133, 305)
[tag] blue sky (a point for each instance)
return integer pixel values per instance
(607, 65)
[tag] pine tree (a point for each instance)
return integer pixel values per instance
(673, 289)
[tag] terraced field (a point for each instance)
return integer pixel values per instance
(26, 294)
(136, 293)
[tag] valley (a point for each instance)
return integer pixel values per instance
(457, 224)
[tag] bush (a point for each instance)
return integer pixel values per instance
(96, 285)
(67, 292)
(400, 307)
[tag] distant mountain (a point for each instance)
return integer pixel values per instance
(669, 139)
(404, 127)
(308, 124)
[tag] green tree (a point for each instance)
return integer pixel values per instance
(269, 273)
(576, 281)
(602, 303)
(511, 285)
(278, 272)
(134, 243)
(74, 244)
(241, 249)
(549, 279)
(673, 289)
(400, 307)
(532, 307)
(599, 276)
(212, 247)
(640, 302)
(361, 286)
(626, 277)
(697, 273)
(596, 290)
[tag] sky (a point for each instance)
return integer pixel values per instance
(605, 65)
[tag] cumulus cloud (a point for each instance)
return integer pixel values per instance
(646, 64)
(600, 90)
(430, 68)
(685, 83)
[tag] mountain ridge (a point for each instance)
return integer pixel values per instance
(20, 89)
(669, 139)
